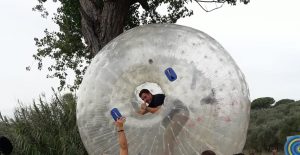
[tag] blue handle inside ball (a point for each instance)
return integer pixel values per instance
(170, 73)
(115, 113)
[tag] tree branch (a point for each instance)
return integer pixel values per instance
(218, 7)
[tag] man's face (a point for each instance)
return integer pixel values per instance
(146, 97)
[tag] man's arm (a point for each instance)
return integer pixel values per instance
(143, 110)
(122, 136)
(152, 110)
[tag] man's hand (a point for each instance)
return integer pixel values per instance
(120, 122)
(143, 110)
(143, 106)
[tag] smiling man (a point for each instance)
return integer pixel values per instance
(154, 101)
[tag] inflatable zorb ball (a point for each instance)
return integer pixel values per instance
(207, 100)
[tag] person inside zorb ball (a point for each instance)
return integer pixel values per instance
(154, 101)
(204, 99)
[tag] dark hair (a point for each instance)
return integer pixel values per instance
(208, 152)
(239, 154)
(5, 145)
(144, 91)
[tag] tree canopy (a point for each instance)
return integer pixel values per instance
(263, 102)
(284, 101)
(85, 26)
(269, 127)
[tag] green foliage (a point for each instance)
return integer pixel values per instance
(264, 102)
(45, 128)
(284, 101)
(269, 127)
(67, 47)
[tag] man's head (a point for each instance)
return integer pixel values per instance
(145, 95)
(208, 152)
(5, 145)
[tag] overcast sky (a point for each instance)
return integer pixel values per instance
(263, 37)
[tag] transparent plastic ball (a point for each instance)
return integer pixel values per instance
(207, 107)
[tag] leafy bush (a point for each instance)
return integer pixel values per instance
(269, 127)
(45, 128)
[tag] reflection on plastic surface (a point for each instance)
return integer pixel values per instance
(206, 107)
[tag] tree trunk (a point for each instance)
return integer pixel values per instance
(102, 23)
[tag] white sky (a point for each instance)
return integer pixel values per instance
(263, 37)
